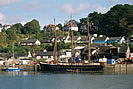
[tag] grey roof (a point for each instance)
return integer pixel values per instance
(96, 45)
(114, 38)
(104, 49)
(20, 54)
(123, 49)
(49, 53)
(74, 38)
(29, 41)
(61, 37)
(84, 38)
(100, 38)
(5, 54)
(73, 22)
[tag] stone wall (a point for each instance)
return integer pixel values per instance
(118, 68)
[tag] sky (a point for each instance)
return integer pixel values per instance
(23, 11)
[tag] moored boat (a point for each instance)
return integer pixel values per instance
(65, 67)
(12, 69)
(71, 67)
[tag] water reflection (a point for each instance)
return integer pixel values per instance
(56, 80)
(18, 73)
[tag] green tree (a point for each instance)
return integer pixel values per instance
(18, 27)
(3, 37)
(0, 25)
(84, 20)
(60, 26)
(32, 27)
(118, 21)
(11, 34)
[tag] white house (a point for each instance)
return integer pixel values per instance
(30, 42)
(119, 40)
(25, 61)
(0, 28)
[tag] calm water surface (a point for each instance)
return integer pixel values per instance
(40, 80)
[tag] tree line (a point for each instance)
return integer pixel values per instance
(118, 21)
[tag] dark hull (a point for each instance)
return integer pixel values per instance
(65, 68)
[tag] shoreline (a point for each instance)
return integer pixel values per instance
(108, 68)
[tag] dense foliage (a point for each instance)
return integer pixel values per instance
(118, 21)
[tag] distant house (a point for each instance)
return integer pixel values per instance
(25, 61)
(131, 53)
(65, 39)
(75, 39)
(5, 27)
(38, 54)
(30, 42)
(67, 26)
(84, 39)
(100, 40)
(108, 52)
(20, 55)
(50, 27)
(130, 40)
(124, 52)
(83, 28)
(78, 51)
(119, 40)
(1, 28)
(113, 52)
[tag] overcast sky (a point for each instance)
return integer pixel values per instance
(14, 11)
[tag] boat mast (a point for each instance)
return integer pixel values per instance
(71, 40)
(88, 42)
(13, 51)
(54, 40)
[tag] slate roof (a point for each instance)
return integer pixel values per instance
(49, 53)
(84, 38)
(28, 41)
(74, 38)
(96, 45)
(74, 23)
(5, 55)
(123, 49)
(104, 49)
(114, 38)
(100, 38)
(20, 54)
(61, 37)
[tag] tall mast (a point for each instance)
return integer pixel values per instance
(71, 40)
(13, 51)
(54, 40)
(88, 42)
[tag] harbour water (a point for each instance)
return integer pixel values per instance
(42, 80)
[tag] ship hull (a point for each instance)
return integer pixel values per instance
(66, 68)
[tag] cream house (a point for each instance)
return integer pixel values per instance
(30, 42)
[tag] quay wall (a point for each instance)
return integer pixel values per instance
(118, 68)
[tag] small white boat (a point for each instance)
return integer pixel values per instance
(12, 69)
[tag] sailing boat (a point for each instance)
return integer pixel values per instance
(12, 67)
(71, 67)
